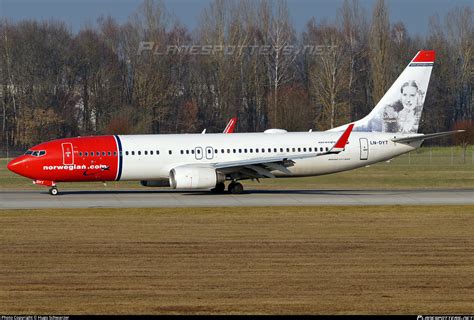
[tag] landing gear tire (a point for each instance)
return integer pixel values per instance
(53, 191)
(236, 188)
(220, 188)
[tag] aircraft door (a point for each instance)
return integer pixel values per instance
(209, 153)
(68, 154)
(364, 148)
(198, 153)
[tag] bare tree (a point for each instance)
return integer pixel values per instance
(355, 29)
(329, 74)
(460, 35)
(379, 50)
(281, 38)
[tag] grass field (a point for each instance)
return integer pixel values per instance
(303, 260)
(427, 168)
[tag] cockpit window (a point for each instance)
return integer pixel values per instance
(36, 153)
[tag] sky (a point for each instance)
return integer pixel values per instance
(78, 13)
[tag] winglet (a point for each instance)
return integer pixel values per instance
(230, 126)
(341, 143)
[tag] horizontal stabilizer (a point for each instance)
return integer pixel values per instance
(425, 136)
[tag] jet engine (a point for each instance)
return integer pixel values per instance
(189, 177)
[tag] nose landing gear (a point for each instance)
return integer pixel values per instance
(53, 191)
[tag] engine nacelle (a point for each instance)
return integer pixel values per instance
(189, 177)
(155, 183)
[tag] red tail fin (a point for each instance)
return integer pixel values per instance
(230, 126)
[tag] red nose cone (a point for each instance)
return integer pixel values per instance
(17, 165)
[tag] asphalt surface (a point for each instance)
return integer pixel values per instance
(166, 198)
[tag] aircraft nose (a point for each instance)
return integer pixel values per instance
(17, 166)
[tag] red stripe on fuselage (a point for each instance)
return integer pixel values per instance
(94, 159)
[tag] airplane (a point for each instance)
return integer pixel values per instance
(208, 161)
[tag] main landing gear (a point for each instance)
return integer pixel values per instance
(53, 191)
(235, 188)
(220, 188)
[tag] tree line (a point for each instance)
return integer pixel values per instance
(152, 74)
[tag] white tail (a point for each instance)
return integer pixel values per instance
(399, 110)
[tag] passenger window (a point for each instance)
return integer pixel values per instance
(86, 154)
(192, 151)
(228, 150)
(269, 149)
(187, 151)
(126, 153)
(310, 149)
(133, 153)
(109, 153)
(216, 151)
(157, 152)
(198, 151)
(103, 153)
(245, 150)
(321, 149)
(327, 149)
(304, 149)
(256, 150)
(139, 153)
(115, 153)
(293, 150)
(151, 152)
(299, 149)
(209, 151)
(170, 152)
(222, 150)
(281, 149)
(251, 150)
(240, 150)
(80, 154)
(146, 152)
(181, 151)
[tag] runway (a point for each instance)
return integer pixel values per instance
(167, 198)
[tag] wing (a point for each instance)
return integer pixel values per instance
(261, 167)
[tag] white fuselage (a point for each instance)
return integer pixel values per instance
(363, 148)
